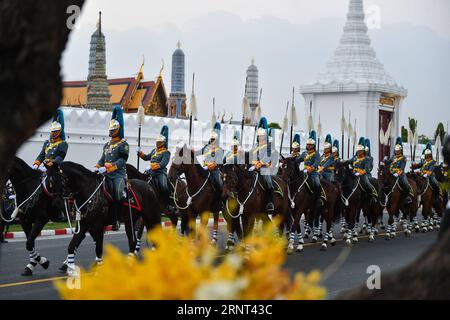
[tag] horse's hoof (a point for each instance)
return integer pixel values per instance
(393, 235)
(333, 242)
(388, 236)
(46, 264)
(430, 228)
(342, 230)
(299, 248)
(355, 240)
(72, 272)
(371, 238)
(27, 272)
(214, 241)
(375, 232)
(63, 268)
(424, 230)
(408, 233)
(290, 250)
(323, 247)
(314, 239)
(348, 242)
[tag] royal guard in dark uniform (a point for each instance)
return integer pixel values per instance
(426, 167)
(236, 154)
(159, 159)
(397, 166)
(212, 157)
(295, 146)
(327, 163)
(113, 164)
(361, 168)
(311, 160)
(369, 157)
(261, 159)
(55, 149)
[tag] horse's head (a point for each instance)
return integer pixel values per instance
(55, 185)
(183, 160)
(385, 177)
(288, 169)
(230, 179)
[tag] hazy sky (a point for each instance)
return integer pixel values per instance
(291, 40)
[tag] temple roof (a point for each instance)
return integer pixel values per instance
(75, 92)
(354, 66)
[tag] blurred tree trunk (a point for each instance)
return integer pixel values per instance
(33, 35)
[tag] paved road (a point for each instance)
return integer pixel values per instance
(388, 255)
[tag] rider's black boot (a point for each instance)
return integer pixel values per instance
(115, 215)
(270, 207)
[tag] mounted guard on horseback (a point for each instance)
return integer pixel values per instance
(113, 164)
(55, 149)
(327, 163)
(397, 166)
(260, 158)
(159, 158)
(427, 166)
(361, 168)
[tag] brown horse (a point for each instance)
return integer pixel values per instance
(199, 195)
(246, 196)
(304, 202)
(394, 202)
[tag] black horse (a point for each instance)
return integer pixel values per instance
(92, 204)
(35, 207)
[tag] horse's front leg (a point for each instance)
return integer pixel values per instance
(131, 233)
(139, 227)
(214, 237)
(35, 258)
(97, 233)
(295, 226)
(69, 265)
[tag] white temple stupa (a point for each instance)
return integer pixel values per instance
(355, 78)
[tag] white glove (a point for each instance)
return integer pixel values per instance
(205, 168)
(42, 169)
(357, 174)
(425, 175)
(382, 163)
(148, 169)
(138, 149)
(35, 166)
(305, 171)
(101, 170)
(396, 175)
(95, 169)
(252, 168)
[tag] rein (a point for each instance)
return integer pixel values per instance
(17, 207)
(78, 209)
(346, 200)
(389, 194)
(291, 199)
(241, 205)
(190, 198)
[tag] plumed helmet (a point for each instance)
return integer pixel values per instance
(117, 121)
(328, 142)
(399, 144)
(215, 132)
(58, 123)
(335, 146)
(361, 144)
(164, 136)
(263, 129)
(367, 146)
(296, 142)
(312, 138)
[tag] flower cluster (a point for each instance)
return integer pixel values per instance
(184, 268)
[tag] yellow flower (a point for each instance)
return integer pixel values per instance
(190, 268)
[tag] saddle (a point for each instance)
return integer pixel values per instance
(323, 194)
(131, 198)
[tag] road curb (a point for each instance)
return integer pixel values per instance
(68, 231)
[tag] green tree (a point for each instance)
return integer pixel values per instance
(423, 139)
(273, 125)
(440, 131)
(404, 134)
